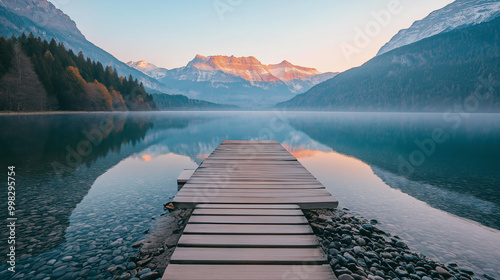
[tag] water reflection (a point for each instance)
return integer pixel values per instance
(96, 206)
(467, 164)
(437, 233)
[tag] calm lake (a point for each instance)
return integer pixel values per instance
(432, 179)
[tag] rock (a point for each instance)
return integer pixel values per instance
(144, 271)
(333, 252)
(138, 244)
(145, 261)
(368, 227)
(465, 269)
(342, 260)
(124, 276)
(400, 271)
(358, 250)
(131, 265)
(401, 244)
(410, 268)
(361, 241)
(415, 277)
(150, 276)
(118, 259)
(169, 206)
(442, 271)
(346, 240)
(341, 271)
(51, 262)
(386, 255)
(408, 257)
(358, 277)
(67, 258)
(60, 271)
(349, 257)
(345, 277)
(365, 232)
(93, 260)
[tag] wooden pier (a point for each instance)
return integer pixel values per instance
(247, 222)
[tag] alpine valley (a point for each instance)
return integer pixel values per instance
(242, 81)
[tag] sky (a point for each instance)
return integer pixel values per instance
(314, 33)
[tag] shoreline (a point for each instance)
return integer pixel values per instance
(356, 250)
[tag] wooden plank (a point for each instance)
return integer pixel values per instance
(254, 241)
(248, 206)
(272, 220)
(200, 255)
(185, 175)
(247, 272)
(261, 194)
(246, 229)
(311, 202)
(254, 191)
(253, 212)
(249, 186)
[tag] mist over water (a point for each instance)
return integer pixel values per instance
(92, 207)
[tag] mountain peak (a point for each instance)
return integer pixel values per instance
(286, 71)
(458, 14)
(248, 68)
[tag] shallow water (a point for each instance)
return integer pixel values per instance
(92, 207)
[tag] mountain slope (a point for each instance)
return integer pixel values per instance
(242, 81)
(459, 14)
(42, 19)
(439, 73)
(45, 76)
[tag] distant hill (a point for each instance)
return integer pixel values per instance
(435, 74)
(243, 81)
(181, 102)
(459, 14)
(41, 18)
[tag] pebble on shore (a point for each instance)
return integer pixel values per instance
(154, 251)
(357, 250)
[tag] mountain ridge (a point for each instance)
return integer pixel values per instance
(436, 74)
(458, 14)
(43, 19)
(242, 80)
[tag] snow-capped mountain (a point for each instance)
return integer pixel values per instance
(231, 69)
(242, 81)
(149, 69)
(459, 14)
(286, 71)
(298, 79)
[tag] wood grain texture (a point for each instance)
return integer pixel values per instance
(248, 272)
(253, 241)
(247, 222)
(199, 255)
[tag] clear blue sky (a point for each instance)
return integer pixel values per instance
(169, 33)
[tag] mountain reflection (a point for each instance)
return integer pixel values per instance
(460, 176)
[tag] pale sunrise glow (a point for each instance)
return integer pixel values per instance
(327, 35)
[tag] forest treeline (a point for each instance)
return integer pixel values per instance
(37, 75)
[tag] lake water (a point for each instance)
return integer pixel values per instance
(432, 179)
